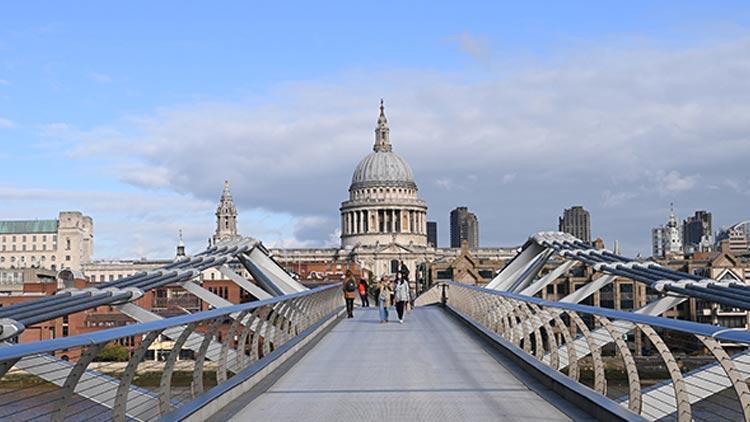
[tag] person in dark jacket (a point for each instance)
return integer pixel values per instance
(404, 270)
(363, 293)
(349, 286)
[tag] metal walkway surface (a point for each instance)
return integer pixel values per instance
(429, 368)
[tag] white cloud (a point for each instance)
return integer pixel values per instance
(4, 82)
(149, 177)
(616, 199)
(476, 47)
(145, 224)
(603, 127)
(446, 183)
(6, 123)
(673, 181)
(100, 78)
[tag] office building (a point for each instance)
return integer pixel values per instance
(464, 226)
(577, 222)
(432, 236)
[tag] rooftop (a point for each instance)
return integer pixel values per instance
(28, 226)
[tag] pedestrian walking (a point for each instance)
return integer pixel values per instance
(399, 277)
(363, 293)
(384, 298)
(401, 292)
(349, 286)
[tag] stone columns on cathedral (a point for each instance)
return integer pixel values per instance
(382, 221)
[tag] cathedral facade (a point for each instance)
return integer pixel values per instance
(383, 205)
(383, 224)
(384, 221)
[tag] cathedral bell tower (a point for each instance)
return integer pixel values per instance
(226, 216)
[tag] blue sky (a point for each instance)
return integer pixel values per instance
(135, 114)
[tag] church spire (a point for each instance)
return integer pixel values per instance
(382, 133)
(180, 246)
(226, 216)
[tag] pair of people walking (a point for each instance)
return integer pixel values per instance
(398, 292)
(386, 294)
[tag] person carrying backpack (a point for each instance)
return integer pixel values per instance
(349, 286)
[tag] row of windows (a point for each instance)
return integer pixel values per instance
(7, 277)
(33, 258)
(367, 193)
(33, 247)
(220, 291)
(43, 245)
(33, 238)
(104, 277)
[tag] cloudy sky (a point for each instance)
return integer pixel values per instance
(135, 114)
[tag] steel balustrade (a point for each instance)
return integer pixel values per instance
(540, 328)
(655, 276)
(141, 389)
(15, 318)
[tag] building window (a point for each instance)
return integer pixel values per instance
(52, 258)
(67, 257)
(33, 238)
(23, 238)
(44, 238)
(67, 244)
(23, 247)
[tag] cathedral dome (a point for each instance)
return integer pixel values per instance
(382, 168)
(383, 205)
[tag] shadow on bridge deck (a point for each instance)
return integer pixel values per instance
(430, 368)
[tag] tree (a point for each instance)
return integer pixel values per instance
(113, 352)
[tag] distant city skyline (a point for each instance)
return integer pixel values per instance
(516, 110)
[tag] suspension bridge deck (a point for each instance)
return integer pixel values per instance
(429, 368)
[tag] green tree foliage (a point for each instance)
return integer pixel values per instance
(113, 352)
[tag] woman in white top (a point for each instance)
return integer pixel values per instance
(401, 296)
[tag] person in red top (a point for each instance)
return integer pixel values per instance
(363, 293)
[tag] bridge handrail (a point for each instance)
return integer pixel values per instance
(716, 332)
(14, 351)
(700, 361)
